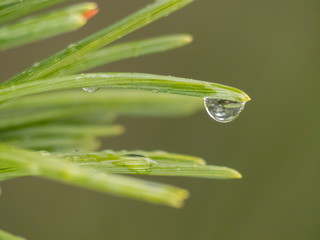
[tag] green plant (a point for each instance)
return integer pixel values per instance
(41, 131)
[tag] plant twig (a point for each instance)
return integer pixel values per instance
(99, 108)
(138, 81)
(8, 236)
(124, 51)
(22, 8)
(48, 25)
(37, 164)
(150, 163)
(125, 26)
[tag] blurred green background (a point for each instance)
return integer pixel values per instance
(269, 49)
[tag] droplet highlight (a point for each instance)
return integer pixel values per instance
(222, 110)
(91, 89)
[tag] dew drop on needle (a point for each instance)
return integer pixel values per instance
(223, 110)
(91, 89)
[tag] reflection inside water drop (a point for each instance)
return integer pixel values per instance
(91, 89)
(223, 110)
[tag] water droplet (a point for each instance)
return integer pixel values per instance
(155, 91)
(71, 46)
(44, 153)
(36, 64)
(91, 89)
(223, 110)
(138, 163)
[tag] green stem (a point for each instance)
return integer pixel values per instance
(57, 143)
(8, 3)
(123, 27)
(63, 129)
(24, 7)
(150, 163)
(98, 108)
(41, 27)
(59, 136)
(37, 164)
(125, 51)
(8, 236)
(138, 81)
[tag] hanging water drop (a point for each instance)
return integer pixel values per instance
(91, 89)
(223, 110)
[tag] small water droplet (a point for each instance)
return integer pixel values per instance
(223, 110)
(91, 89)
(44, 153)
(36, 64)
(155, 91)
(71, 46)
(138, 163)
